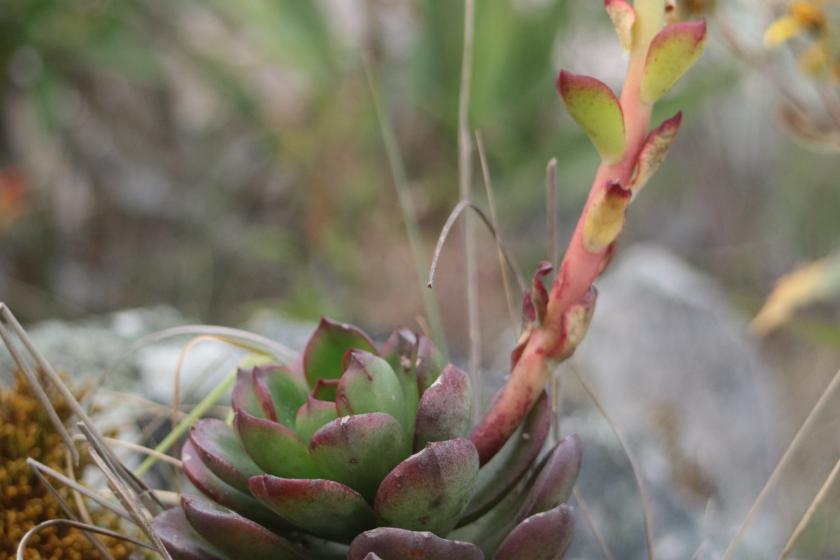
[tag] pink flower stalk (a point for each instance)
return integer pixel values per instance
(630, 155)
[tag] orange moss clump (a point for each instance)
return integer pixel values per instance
(26, 431)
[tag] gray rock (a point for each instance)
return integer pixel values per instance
(672, 364)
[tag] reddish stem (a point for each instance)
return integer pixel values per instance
(577, 272)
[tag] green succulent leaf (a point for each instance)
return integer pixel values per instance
(233, 534)
(543, 536)
(323, 355)
(430, 363)
(444, 411)
(429, 490)
(556, 479)
(275, 448)
(368, 384)
(391, 543)
(325, 508)
(672, 52)
(400, 351)
(506, 468)
(245, 396)
(594, 106)
(180, 539)
(488, 531)
(282, 391)
(220, 450)
(214, 488)
(359, 450)
(312, 415)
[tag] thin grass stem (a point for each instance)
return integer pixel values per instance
(491, 204)
(24, 542)
(815, 504)
(551, 211)
(447, 228)
(783, 461)
(409, 216)
(590, 522)
(643, 497)
(172, 437)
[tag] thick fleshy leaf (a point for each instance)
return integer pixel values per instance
(180, 539)
(312, 415)
(245, 396)
(214, 488)
(234, 534)
(556, 480)
(220, 450)
(430, 363)
(429, 490)
(359, 450)
(400, 351)
(605, 217)
(444, 411)
(281, 393)
(368, 384)
(324, 508)
(594, 106)
(488, 531)
(390, 543)
(543, 536)
(372, 556)
(623, 17)
(671, 53)
(502, 472)
(654, 150)
(323, 355)
(324, 389)
(274, 447)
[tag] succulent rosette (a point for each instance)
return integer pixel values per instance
(362, 452)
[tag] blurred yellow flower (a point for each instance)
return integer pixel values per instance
(802, 16)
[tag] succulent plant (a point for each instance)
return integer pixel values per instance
(366, 446)
(369, 452)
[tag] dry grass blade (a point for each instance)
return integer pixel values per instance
(35, 383)
(447, 228)
(249, 341)
(774, 476)
(630, 457)
(590, 522)
(137, 488)
(491, 203)
(464, 190)
(87, 492)
(69, 513)
(52, 376)
(146, 451)
(819, 498)
(127, 499)
(200, 409)
(551, 210)
(77, 497)
(21, 551)
(176, 383)
(138, 448)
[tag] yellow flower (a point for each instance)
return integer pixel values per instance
(802, 16)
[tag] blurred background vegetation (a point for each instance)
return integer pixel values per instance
(224, 157)
(220, 157)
